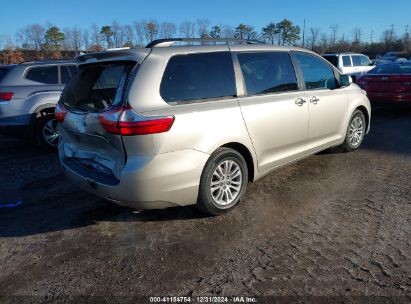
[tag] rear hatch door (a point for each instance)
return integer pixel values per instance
(97, 88)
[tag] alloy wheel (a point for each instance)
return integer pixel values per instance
(356, 131)
(226, 182)
(51, 134)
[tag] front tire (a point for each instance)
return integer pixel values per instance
(355, 132)
(223, 182)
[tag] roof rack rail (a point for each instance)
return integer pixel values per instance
(170, 41)
(118, 48)
(45, 61)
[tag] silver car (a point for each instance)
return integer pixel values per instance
(166, 125)
(28, 95)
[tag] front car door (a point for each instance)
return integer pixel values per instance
(275, 114)
(327, 102)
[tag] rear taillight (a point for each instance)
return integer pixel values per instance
(6, 96)
(60, 113)
(125, 121)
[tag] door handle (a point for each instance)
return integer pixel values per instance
(314, 99)
(300, 101)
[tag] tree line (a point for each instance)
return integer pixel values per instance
(50, 41)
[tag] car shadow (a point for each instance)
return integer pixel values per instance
(80, 209)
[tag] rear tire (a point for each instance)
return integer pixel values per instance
(223, 182)
(47, 134)
(355, 132)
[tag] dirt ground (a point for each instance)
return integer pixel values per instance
(332, 225)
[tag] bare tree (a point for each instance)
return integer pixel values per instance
(323, 42)
(227, 31)
(95, 35)
(118, 35)
(314, 34)
(356, 35)
(203, 28)
(388, 37)
(22, 35)
(128, 34)
(6, 42)
(35, 35)
(139, 32)
(333, 35)
(85, 40)
(187, 29)
(73, 38)
(167, 30)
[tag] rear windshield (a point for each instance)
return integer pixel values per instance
(97, 86)
(332, 59)
(391, 69)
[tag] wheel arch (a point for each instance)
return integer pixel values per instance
(364, 111)
(47, 108)
(245, 152)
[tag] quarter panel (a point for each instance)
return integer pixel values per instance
(202, 126)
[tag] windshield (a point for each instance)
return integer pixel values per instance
(97, 86)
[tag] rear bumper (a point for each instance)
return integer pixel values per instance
(165, 180)
(390, 97)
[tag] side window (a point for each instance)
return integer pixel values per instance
(356, 60)
(346, 61)
(44, 74)
(364, 61)
(65, 74)
(317, 73)
(267, 72)
(198, 76)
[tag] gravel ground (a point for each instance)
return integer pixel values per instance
(332, 225)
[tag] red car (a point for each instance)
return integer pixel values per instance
(388, 83)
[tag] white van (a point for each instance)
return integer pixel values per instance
(350, 63)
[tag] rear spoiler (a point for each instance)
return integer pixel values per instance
(135, 54)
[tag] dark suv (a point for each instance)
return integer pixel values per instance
(28, 95)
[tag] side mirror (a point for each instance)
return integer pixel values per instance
(345, 80)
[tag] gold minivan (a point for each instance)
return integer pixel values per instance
(192, 121)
